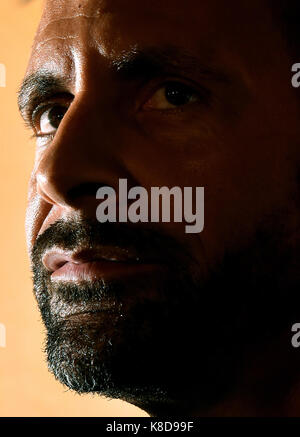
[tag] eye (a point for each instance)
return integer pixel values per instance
(48, 121)
(172, 95)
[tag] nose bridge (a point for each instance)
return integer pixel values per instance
(82, 154)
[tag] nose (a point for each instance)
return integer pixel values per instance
(82, 157)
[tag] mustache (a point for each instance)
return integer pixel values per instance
(73, 234)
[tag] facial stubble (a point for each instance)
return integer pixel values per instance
(186, 341)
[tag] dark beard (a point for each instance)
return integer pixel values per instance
(182, 346)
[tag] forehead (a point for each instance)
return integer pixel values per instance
(142, 17)
(69, 29)
(112, 26)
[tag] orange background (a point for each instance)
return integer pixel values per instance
(26, 386)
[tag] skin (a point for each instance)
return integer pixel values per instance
(242, 144)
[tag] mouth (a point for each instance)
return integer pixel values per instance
(93, 264)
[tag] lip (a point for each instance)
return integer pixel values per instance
(92, 264)
(98, 270)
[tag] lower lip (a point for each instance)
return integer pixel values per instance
(100, 270)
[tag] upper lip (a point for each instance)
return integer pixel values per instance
(55, 258)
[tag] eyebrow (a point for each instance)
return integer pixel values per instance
(38, 87)
(129, 66)
(154, 61)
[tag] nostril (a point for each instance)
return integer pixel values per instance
(86, 189)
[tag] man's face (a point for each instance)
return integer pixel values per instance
(162, 94)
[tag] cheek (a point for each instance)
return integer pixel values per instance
(36, 212)
(33, 218)
(163, 151)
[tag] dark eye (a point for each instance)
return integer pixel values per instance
(172, 95)
(49, 120)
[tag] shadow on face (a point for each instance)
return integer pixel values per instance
(165, 95)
